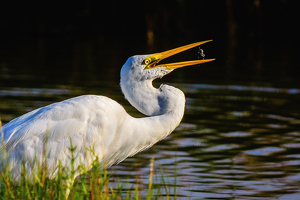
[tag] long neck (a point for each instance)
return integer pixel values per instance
(142, 95)
(156, 128)
(138, 134)
(141, 133)
(165, 105)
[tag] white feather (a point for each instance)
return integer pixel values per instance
(96, 123)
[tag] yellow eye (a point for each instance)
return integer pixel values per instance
(147, 61)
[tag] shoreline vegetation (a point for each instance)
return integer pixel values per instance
(96, 183)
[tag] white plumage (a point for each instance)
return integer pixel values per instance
(99, 124)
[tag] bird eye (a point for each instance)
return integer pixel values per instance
(147, 61)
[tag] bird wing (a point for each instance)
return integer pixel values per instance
(85, 121)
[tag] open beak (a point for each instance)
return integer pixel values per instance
(166, 54)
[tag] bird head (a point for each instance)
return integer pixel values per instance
(147, 67)
(138, 73)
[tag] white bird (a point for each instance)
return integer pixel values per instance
(97, 125)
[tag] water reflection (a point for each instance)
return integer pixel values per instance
(233, 144)
(235, 141)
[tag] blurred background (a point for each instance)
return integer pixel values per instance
(72, 40)
(240, 135)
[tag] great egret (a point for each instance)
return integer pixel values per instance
(99, 123)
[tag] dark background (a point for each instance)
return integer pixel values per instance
(254, 40)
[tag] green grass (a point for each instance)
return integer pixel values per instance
(91, 184)
(94, 184)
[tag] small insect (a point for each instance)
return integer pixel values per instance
(200, 53)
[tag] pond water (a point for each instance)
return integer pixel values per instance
(239, 139)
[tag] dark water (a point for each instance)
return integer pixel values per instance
(239, 139)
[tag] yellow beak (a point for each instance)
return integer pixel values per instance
(160, 56)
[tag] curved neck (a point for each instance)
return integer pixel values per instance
(147, 131)
(142, 95)
(158, 127)
(155, 128)
(165, 105)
